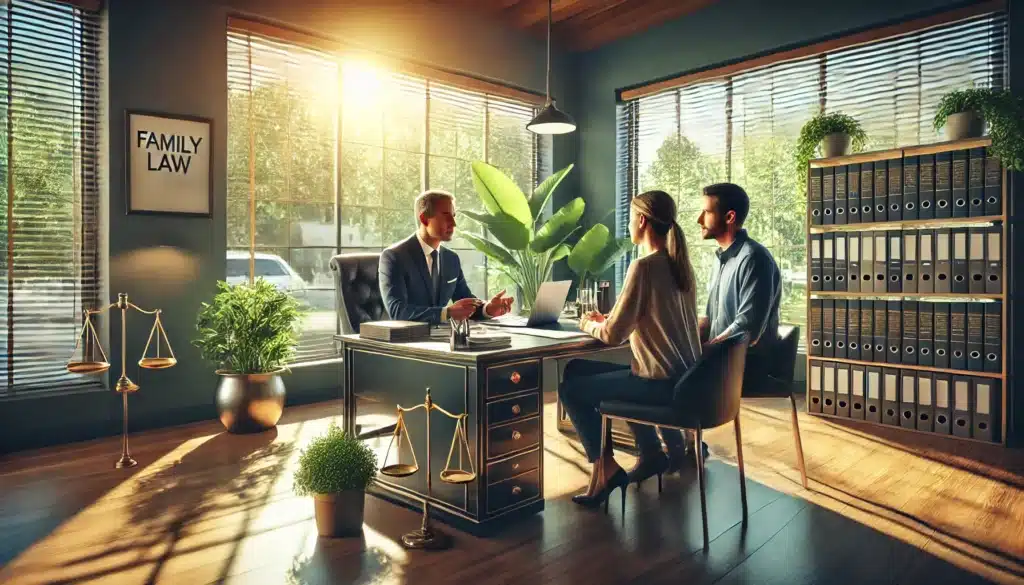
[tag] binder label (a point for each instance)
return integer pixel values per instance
(982, 397)
(890, 387)
(960, 390)
(924, 391)
(941, 393)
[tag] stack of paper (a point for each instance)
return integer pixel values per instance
(394, 331)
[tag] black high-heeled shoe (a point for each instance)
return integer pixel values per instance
(618, 480)
(649, 466)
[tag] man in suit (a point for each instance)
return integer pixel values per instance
(418, 277)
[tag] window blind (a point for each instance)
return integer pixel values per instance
(329, 153)
(743, 128)
(49, 195)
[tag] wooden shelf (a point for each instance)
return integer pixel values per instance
(957, 297)
(862, 157)
(875, 226)
(1001, 442)
(993, 375)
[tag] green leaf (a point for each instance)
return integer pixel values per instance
(561, 251)
(512, 234)
(543, 191)
(499, 193)
(560, 225)
(590, 245)
(610, 254)
(493, 251)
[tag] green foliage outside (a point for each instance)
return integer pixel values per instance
(334, 462)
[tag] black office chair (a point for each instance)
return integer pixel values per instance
(706, 396)
(356, 290)
(770, 375)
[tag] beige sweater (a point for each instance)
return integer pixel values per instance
(659, 320)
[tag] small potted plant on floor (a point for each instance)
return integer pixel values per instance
(837, 134)
(249, 331)
(964, 113)
(336, 469)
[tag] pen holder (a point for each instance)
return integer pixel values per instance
(459, 338)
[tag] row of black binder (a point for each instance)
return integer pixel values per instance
(960, 260)
(957, 336)
(960, 183)
(962, 406)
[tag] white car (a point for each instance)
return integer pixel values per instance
(269, 267)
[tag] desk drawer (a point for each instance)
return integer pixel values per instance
(513, 437)
(511, 409)
(518, 377)
(510, 492)
(513, 466)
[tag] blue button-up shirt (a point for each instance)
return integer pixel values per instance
(745, 291)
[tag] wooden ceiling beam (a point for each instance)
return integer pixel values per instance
(623, 20)
(533, 13)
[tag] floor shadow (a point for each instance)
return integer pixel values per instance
(341, 561)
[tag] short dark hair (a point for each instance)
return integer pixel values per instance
(731, 197)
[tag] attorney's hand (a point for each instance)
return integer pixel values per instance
(461, 309)
(499, 305)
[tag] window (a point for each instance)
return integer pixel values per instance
(332, 153)
(49, 196)
(743, 128)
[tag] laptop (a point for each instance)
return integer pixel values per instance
(549, 305)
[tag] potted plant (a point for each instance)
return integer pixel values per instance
(837, 134)
(249, 331)
(964, 113)
(596, 252)
(336, 469)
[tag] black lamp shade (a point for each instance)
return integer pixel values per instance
(551, 120)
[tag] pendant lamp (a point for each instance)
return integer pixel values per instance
(551, 120)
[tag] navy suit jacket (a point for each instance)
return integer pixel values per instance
(405, 283)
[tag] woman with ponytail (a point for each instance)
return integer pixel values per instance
(657, 312)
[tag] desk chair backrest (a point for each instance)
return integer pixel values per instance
(710, 391)
(356, 290)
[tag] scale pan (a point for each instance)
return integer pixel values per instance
(457, 476)
(157, 363)
(399, 470)
(88, 367)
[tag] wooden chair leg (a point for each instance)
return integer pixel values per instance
(739, 461)
(799, 445)
(700, 480)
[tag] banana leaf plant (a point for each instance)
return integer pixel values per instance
(596, 252)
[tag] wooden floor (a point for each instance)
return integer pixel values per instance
(207, 507)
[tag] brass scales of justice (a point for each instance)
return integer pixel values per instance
(90, 363)
(426, 537)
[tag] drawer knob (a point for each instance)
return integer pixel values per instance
(515, 466)
(516, 409)
(517, 490)
(515, 377)
(516, 435)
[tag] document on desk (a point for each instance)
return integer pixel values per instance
(548, 333)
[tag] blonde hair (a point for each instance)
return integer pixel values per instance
(660, 210)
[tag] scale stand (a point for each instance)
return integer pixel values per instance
(426, 537)
(89, 364)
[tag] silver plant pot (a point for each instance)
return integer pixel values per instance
(339, 514)
(963, 125)
(835, 144)
(250, 403)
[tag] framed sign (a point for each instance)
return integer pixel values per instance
(169, 166)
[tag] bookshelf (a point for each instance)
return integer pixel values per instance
(907, 290)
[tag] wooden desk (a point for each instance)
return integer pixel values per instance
(500, 390)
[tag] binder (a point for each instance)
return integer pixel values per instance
(940, 334)
(959, 183)
(894, 333)
(895, 262)
(867, 342)
(873, 402)
(986, 413)
(976, 182)
(816, 284)
(993, 345)
(926, 261)
(943, 262)
(857, 391)
(910, 332)
(881, 191)
(853, 262)
(881, 263)
(840, 329)
(926, 187)
(828, 388)
(943, 185)
(828, 331)
(943, 416)
(961, 406)
(828, 263)
(891, 396)
(880, 330)
(840, 205)
(976, 259)
(958, 336)
(895, 174)
(853, 329)
(976, 337)
(908, 399)
(840, 267)
(828, 196)
(993, 183)
(910, 189)
(910, 269)
(959, 261)
(816, 325)
(994, 260)
(867, 262)
(843, 390)
(867, 192)
(924, 401)
(814, 395)
(925, 334)
(814, 195)
(853, 194)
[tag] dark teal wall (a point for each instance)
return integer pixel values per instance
(171, 57)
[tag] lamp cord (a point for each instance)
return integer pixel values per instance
(547, 80)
